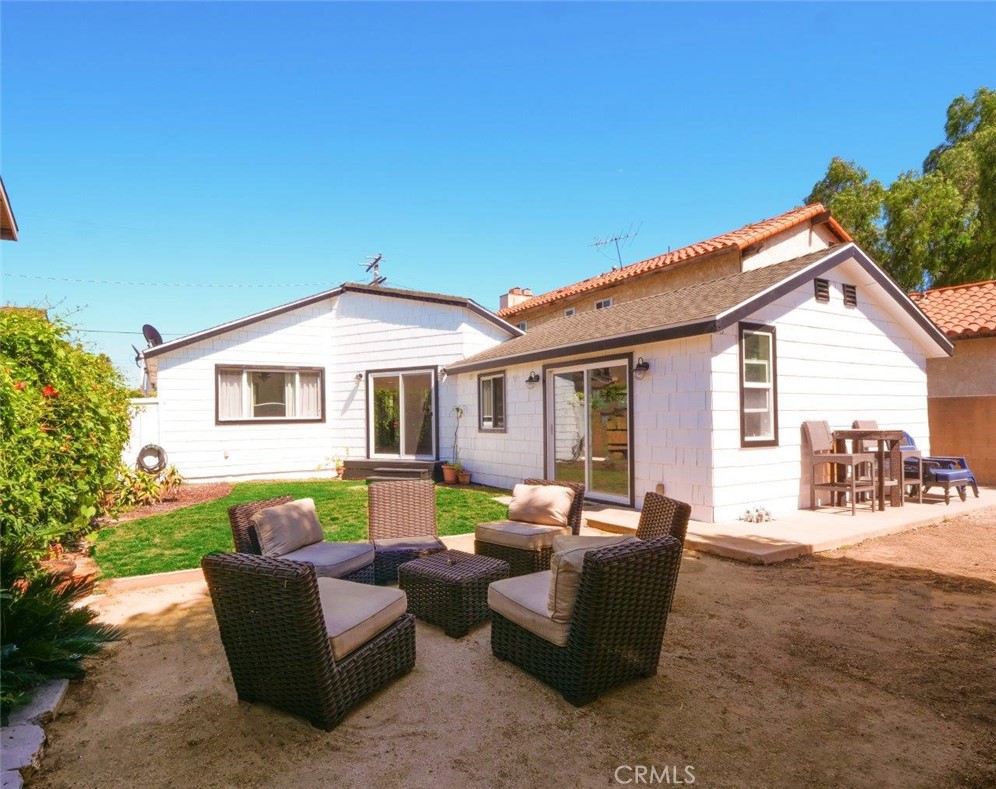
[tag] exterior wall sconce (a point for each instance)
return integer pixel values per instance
(533, 379)
(640, 369)
(358, 378)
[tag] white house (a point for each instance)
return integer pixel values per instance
(694, 370)
(354, 370)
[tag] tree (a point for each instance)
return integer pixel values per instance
(64, 420)
(936, 227)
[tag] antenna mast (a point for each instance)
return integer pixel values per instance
(601, 243)
(374, 266)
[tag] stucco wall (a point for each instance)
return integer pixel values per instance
(970, 371)
(352, 333)
(720, 265)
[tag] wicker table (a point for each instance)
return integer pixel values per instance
(450, 588)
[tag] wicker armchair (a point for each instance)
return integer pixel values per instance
(523, 561)
(617, 628)
(272, 624)
(246, 541)
(402, 524)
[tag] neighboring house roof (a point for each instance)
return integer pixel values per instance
(702, 308)
(8, 225)
(742, 239)
(962, 311)
(346, 287)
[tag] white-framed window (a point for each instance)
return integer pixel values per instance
(521, 326)
(262, 394)
(569, 312)
(758, 386)
(491, 396)
(603, 304)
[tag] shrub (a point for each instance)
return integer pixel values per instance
(135, 488)
(43, 634)
(64, 420)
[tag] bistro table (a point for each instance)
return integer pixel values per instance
(891, 438)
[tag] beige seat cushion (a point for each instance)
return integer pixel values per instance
(513, 534)
(568, 542)
(334, 559)
(546, 505)
(523, 600)
(355, 613)
(565, 571)
(287, 527)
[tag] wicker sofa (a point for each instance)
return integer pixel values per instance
(527, 547)
(314, 647)
(615, 629)
(345, 560)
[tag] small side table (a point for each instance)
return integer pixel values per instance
(450, 588)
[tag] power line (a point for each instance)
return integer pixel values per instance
(169, 284)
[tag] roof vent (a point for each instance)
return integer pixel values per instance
(822, 289)
(850, 295)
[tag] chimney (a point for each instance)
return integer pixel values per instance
(514, 296)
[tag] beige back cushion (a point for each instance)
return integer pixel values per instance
(546, 505)
(287, 527)
(565, 576)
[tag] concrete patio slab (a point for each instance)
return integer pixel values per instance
(44, 704)
(801, 533)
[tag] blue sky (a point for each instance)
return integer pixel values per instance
(477, 146)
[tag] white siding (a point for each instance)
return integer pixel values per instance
(835, 363)
(352, 333)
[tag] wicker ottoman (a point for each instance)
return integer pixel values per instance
(450, 589)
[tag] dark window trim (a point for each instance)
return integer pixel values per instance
(366, 400)
(480, 410)
(277, 368)
(767, 442)
(554, 366)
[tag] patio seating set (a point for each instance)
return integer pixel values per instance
(879, 460)
(308, 626)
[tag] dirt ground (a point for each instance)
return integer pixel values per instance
(868, 666)
(185, 496)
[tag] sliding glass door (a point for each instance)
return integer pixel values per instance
(402, 421)
(588, 415)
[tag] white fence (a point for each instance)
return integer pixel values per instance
(144, 428)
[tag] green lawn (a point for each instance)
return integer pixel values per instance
(178, 540)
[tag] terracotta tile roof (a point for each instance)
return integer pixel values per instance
(745, 237)
(961, 310)
(688, 311)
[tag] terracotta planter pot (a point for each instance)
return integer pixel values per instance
(449, 474)
(463, 477)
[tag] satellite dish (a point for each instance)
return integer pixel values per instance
(152, 335)
(138, 357)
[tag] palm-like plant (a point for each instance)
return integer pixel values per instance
(43, 635)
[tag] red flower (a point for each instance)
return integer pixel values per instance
(20, 385)
(49, 391)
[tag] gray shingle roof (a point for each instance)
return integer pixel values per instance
(684, 312)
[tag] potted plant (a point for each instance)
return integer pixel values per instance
(452, 470)
(463, 476)
(449, 473)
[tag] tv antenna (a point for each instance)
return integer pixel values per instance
(374, 266)
(604, 242)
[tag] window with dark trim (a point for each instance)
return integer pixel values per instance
(491, 399)
(758, 386)
(269, 394)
